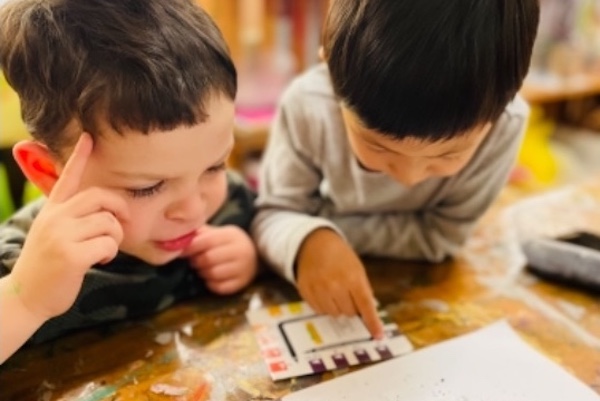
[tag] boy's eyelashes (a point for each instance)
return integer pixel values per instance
(217, 168)
(156, 188)
(449, 156)
(378, 149)
(148, 191)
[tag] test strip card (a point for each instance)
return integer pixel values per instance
(295, 341)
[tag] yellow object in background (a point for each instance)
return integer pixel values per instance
(537, 164)
(12, 128)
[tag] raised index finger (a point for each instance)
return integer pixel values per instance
(365, 304)
(70, 178)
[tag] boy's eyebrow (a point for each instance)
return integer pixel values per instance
(157, 177)
(452, 151)
(145, 176)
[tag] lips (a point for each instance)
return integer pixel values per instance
(177, 244)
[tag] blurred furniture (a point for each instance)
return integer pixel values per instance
(270, 41)
(556, 90)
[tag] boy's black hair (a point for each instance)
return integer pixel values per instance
(139, 64)
(430, 69)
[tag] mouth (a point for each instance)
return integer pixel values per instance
(176, 244)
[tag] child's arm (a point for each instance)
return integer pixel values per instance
(288, 197)
(73, 231)
(331, 277)
(18, 323)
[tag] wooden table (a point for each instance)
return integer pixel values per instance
(210, 336)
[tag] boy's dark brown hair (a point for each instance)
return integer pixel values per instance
(139, 64)
(428, 69)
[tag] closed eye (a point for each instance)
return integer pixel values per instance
(448, 156)
(453, 156)
(147, 191)
(217, 168)
(377, 149)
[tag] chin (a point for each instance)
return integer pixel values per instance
(155, 258)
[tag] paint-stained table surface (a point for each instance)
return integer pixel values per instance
(206, 347)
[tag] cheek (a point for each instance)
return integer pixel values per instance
(367, 158)
(142, 217)
(369, 162)
(445, 168)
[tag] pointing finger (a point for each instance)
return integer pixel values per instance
(365, 304)
(69, 180)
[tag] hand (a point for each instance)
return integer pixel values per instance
(225, 257)
(332, 279)
(73, 231)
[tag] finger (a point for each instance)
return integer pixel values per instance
(312, 301)
(328, 304)
(364, 303)
(214, 257)
(94, 200)
(69, 180)
(97, 225)
(345, 305)
(224, 287)
(202, 242)
(220, 272)
(321, 302)
(99, 250)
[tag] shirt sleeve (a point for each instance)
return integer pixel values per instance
(13, 233)
(440, 231)
(289, 199)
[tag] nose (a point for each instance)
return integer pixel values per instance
(408, 174)
(189, 208)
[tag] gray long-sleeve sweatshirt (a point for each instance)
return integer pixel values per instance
(310, 179)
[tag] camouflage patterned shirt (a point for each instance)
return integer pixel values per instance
(126, 287)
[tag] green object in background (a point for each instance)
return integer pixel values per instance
(7, 208)
(30, 193)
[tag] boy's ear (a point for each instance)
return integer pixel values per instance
(322, 54)
(36, 162)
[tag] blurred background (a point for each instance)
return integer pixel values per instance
(273, 40)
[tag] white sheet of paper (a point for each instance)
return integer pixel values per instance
(490, 364)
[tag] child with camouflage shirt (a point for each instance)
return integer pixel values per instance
(130, 104)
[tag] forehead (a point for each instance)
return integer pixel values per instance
(464, 140)
(210, 134)
(176, 149)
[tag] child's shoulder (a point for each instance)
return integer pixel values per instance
(23, 217)
(13, 233)
(512, 121)
(312, 83)
(310, 103)
(517, 108)
(506, 134)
